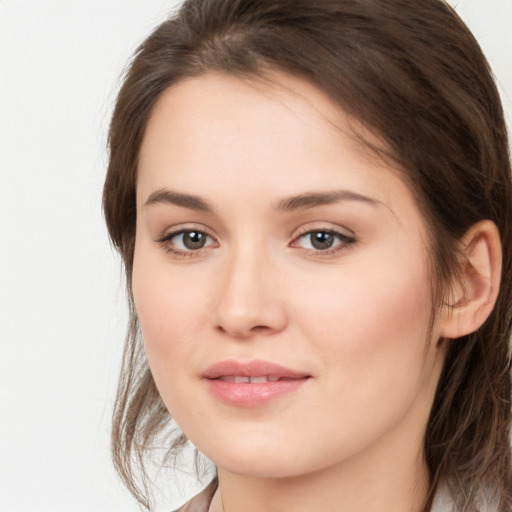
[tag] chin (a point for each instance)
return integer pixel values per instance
(260, 466)
(266, 459)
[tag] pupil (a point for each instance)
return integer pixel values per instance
(322, 240)
(194, 240)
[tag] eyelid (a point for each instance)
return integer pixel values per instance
(324, 226)
(180, 228)
(171, 233)
(346, 240)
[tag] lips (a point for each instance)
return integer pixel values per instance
(239, 379)
(253, 383)
(251, 369)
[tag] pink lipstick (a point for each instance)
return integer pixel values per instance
(253, 383)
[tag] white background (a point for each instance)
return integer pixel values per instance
(62, 315)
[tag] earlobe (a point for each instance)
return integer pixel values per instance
(477, 286)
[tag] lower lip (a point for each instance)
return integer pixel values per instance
(252, 394)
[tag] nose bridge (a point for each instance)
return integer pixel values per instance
(247, 299)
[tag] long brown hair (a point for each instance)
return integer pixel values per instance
(409, 72)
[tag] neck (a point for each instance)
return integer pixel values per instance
(396, 479)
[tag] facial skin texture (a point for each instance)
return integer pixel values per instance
(354, 317)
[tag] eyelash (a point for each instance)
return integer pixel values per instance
(345, 242)
(166, 240)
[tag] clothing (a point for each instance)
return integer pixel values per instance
(442, 501)
(200, 502)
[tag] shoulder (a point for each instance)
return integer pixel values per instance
(200, 502)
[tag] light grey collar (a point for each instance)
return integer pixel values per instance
(443, 501)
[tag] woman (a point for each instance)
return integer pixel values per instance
(313, 201)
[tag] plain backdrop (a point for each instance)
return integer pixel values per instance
(62, 308)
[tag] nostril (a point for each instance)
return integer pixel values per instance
(242, 332)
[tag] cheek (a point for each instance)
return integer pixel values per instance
(370, 332)
(167, 306)
(370, 324)
(167, 309)
(371, 312)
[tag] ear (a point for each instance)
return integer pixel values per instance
(476, 287)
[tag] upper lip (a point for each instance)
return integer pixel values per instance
(255, 368)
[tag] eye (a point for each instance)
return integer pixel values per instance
(187, 241)
(323, 240)
(191, 240)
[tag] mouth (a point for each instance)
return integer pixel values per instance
(255, 371)
(252, 384)
(240, 379)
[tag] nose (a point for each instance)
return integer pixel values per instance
(249, 299)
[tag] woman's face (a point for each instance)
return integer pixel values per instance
(281, 281)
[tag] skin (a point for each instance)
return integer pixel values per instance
(354, 317)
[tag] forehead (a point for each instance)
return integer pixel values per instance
(250, 107)
(215, 133)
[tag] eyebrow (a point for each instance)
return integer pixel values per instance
(179, 199)
(289, 204)
(314, 199)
